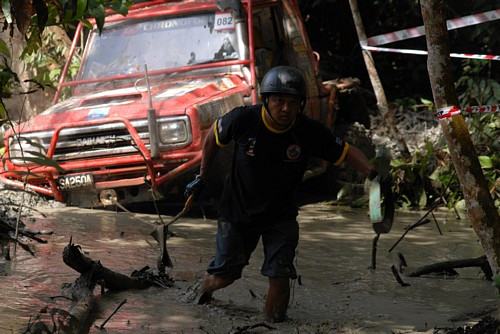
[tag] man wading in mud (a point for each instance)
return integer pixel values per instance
(273, 143)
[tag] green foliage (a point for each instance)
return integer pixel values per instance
(64, 13)
(413, 186)
(47, 64)
(496, 282)
(82, 9)
(44, 53)
(476, 86)
(8, 80)
(429, 174)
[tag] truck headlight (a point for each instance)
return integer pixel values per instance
(24, 149)
(173, 132)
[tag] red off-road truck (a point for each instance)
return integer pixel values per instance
(148, 89)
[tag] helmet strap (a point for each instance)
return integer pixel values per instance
(266, 105)
(265, 98)
(302, 106)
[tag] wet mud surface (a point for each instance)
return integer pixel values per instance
(336, 292)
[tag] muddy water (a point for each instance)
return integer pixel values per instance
(337, 293)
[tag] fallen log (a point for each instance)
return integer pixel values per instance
(448, 266)
(74, 318)
(67, 318)
(74, 258)
(82, 290)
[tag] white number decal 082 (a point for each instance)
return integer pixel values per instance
(223, 21)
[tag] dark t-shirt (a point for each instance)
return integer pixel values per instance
(268, 164)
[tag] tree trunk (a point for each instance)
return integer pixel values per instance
(480, 206)
(375, 81)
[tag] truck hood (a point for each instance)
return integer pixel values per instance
(172, 98)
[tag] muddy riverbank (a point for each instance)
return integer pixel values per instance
(336, 292)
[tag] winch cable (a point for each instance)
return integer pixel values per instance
(118, 204)
(153, 195)
(161, 234)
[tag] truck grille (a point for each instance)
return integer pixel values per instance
(103, 140)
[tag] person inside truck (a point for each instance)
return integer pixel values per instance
(226, 50)
(273, 142)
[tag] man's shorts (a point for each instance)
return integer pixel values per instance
(236, 242)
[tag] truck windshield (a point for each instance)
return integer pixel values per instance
(124, 47)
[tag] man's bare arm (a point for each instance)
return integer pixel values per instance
(210, 149)
(358, 160)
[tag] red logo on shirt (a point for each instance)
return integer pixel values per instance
(251, 146)
(293, 152)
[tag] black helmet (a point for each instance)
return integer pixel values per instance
(284, 80)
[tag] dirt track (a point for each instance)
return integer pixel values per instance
(337, 294)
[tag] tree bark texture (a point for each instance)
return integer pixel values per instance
(480, 206)
(375, 81)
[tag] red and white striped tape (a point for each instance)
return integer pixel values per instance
(420, 30)
(423, 53)
(447, 112)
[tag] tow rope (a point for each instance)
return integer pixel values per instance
(381, 201)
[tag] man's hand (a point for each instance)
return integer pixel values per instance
(195, 187)
(384, 181)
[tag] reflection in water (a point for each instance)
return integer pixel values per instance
(333, 257)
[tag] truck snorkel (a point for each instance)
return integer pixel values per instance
(152, 124)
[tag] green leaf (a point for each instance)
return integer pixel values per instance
(3, 113)
(99, 14)
(6, 76)
(4, 49)
(398, 163)
(33, 44)
(485, 161)
(20, 139)
(81, 6)
(425, 101)
(423, 200)
(496, 281)
(53, 14)
(86, 23)
(34, 153)
(6, 11)
(120, 8)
